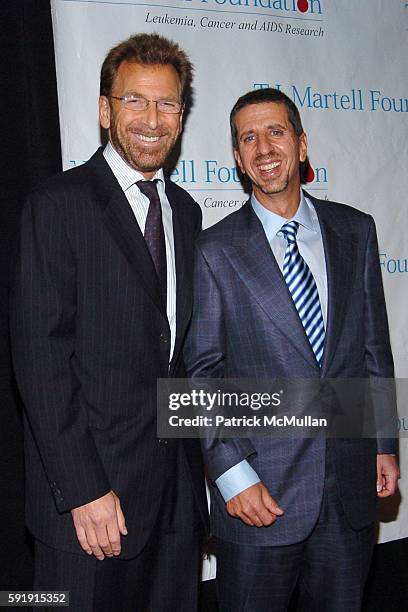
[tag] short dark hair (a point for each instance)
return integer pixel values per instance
(147, 49)
(268, 94)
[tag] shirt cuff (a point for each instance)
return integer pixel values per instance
(236, 479)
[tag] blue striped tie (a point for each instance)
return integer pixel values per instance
(303, 289)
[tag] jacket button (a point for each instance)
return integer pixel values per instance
(162, 441)
(163, 338)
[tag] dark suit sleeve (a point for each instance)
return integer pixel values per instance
(43, 328)
(205, 353)
(379, 359)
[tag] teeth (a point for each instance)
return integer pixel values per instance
(270, 166)
(148, 138)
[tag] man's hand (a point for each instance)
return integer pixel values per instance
(387, 475)
(99, 525)
(254, 506)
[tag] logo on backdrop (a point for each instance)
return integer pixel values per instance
(214, 174)
(311, 7)
(402, 424)
(393, 265)
(354, 100)
(315, 178)
(272, 16)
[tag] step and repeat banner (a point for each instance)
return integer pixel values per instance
(343, 63)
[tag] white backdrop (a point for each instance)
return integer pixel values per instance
(344, 63)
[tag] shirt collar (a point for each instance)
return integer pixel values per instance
(272, 222)
(125, 175)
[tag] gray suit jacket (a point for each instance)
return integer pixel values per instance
(245, 325)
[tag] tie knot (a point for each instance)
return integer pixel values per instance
(149, 189)
(289, 230)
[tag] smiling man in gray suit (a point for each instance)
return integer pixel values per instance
(290, 287)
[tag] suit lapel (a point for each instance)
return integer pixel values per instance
(340, 250)
(123, 227)
(251, 256)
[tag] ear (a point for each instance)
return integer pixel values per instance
(239, 161)
(104, 112)
(302, 147)
(181, 119)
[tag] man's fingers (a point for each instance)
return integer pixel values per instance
(114, 537)
(387, 486)
(249, 514)
(261, 508)
(247, 519)
(259, 513)
(94, 544)
(387, 475)
(265, 516)
(104, 540)
(252, 514)
(99, 524)
(254, 506)
(382, 486)
(271, 504)
(253, 520)
(236, 512)
(82, 539)
(120, 517)
(384, 491)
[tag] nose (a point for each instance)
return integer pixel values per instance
(264, 144)
(152, 114)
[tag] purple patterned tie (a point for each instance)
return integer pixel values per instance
(154, 232)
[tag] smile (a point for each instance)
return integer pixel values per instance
(271, 166)
(148, 139)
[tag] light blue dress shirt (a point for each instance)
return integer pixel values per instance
(309, 238)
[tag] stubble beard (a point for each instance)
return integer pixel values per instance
(279, 186)
(136, 157)
(272, 185)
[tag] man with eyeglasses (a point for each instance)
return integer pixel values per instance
(102, 303)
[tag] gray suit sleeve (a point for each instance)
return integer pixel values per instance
(205, 357)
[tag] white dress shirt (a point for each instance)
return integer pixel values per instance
(127, 178)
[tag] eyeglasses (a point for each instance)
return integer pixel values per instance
(138, 103)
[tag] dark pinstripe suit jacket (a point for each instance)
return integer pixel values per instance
(245, 325)
(90, 337)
